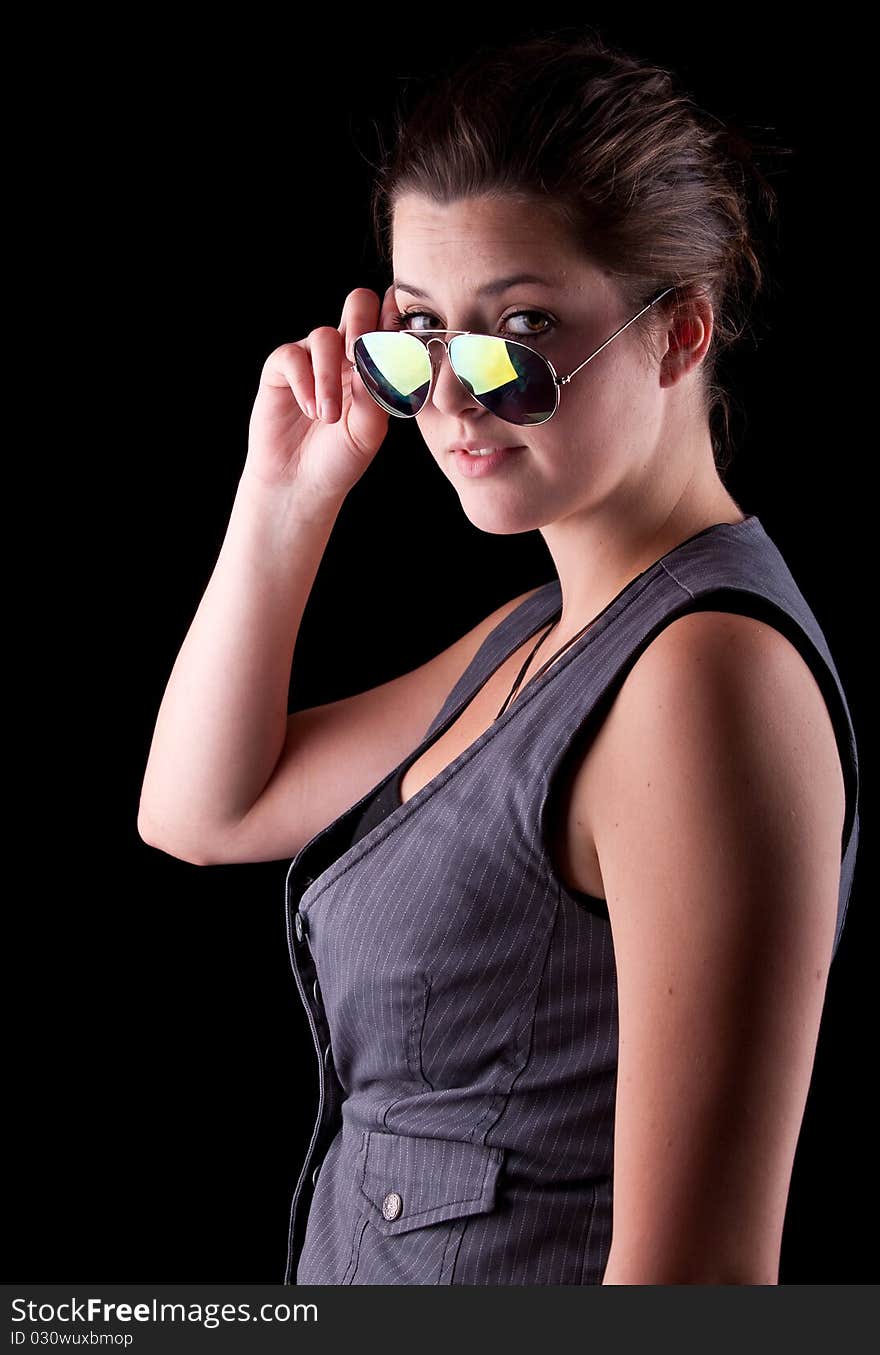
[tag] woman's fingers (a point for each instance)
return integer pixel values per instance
(363, 311)
(289, 366)
(325, 346)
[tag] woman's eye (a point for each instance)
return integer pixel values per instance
(538, 316)
(404, 320)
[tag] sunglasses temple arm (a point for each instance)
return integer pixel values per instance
(564, 380)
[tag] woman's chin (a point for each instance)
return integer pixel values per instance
(500, 519)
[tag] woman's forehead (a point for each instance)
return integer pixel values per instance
(484, 247)
(486, 218)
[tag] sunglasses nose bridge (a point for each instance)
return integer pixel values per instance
(436, 360)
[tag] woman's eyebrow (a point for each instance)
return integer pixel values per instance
(488, 288)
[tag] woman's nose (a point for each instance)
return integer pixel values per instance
(449, 394)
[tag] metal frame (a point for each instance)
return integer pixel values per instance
(558, 381)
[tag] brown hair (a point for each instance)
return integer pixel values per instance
(629, 163)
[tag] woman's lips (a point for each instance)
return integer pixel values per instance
(475, 466)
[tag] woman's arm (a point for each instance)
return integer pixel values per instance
(718, 833)
(222, 719)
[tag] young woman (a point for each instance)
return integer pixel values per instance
(563, 899)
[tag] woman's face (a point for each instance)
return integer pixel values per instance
(608, 427)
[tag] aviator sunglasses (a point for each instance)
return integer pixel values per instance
(508, 378)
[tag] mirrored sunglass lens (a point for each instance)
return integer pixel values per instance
(395, 368)
(507, 378)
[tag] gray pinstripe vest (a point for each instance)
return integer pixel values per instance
(462, 1000)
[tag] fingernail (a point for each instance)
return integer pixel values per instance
(329, 410)
(310, 408)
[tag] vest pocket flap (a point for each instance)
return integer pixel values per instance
(412, 1181)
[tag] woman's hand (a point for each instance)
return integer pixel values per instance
(314, 429)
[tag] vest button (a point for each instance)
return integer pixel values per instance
(315, 1173)
(301, 925)
(316, 991)
(327, 1053)
(392, 1205)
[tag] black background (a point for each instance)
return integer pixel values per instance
(194, 199)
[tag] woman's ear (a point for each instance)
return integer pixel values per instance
(688, 336)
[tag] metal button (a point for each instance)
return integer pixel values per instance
(315, 1173)
(327, 1056)
(316, 991)
(392, 1205)
(301, 925)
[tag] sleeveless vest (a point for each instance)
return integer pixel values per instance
(462, 1000)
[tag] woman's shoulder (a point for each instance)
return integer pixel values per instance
(720, 709)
